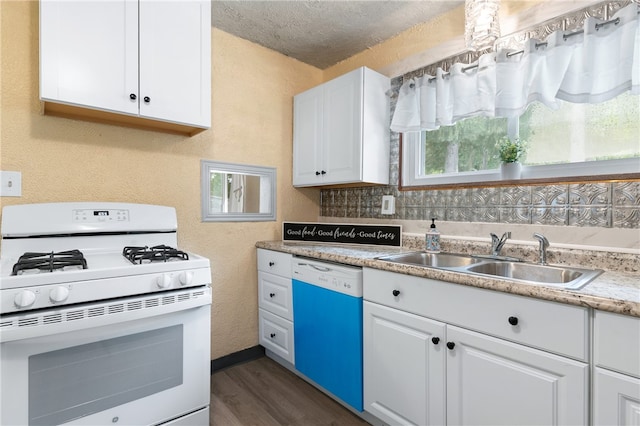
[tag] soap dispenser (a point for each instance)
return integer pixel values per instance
(433, 238)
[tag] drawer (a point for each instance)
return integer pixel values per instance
(616, 342)
(274, 294)
(555, 327)
(274, 262)
(276, 334)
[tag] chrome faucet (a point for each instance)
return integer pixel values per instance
(498, 243)
(544, 243)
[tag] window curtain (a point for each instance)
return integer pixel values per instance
(591, 65)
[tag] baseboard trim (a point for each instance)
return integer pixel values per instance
(239, 357)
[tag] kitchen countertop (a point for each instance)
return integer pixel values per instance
(612, 291)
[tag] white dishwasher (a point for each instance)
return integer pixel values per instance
(327, 312)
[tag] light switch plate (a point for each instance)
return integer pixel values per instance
(10, 184)
(388, 204)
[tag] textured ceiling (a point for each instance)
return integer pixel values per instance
(322, 32)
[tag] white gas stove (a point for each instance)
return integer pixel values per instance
(75, 275)
(67, 253)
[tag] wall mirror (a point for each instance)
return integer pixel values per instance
(237, 192)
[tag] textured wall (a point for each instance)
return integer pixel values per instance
(67, 160)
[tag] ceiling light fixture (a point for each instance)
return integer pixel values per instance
(481, 23)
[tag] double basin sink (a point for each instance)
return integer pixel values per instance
(507, 268)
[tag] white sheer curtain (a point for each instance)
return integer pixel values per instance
(589, 66)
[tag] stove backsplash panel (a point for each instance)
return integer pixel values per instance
(600, 204)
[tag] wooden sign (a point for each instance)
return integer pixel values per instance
(384, 235)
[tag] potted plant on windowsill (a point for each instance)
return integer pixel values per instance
(511, 152)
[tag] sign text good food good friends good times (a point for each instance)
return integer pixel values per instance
(387, 235)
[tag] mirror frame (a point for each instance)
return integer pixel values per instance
(207, 167)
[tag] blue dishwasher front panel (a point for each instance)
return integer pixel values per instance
(328, 340)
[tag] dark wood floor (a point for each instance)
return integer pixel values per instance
(263, 393)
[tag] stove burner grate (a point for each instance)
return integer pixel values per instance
(49, 262)
(161, 253)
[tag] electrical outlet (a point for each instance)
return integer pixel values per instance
(388, 204)
(10, 184)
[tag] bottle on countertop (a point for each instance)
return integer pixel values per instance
(432, 238)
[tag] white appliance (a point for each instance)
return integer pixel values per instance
(102, 320)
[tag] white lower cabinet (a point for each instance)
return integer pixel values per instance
(494, 382)
(616, 399)
(275, 302)
(616, 383)
(404, 366)
(424, 366)
(276, 334)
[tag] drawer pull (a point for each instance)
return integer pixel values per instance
(451, 345)
(272, 295)
(272, 335)
(396, 292)
(271, 263)
(513, 320)
(435, 340)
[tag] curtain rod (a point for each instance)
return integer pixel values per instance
(566, 36)
(615, 21)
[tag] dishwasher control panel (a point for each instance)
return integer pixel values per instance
(332, 276)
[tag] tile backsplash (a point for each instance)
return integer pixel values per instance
(595, 204)
(602, 204)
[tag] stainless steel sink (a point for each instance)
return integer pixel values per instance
(564, 276)
(435, 260)
(558, 276)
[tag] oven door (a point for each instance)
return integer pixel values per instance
(135, 361)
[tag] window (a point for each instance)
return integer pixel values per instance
(577, 140)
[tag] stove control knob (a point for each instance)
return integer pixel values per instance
(186, 277)
(24, 299)
(59, 294)
(164, 281)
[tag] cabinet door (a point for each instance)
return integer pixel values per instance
(342, 137)
(89, 53)
(495, 382)
(175, 61)
(404, 380)
(616, 399)
(307, 137)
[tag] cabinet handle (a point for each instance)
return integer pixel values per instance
(271, 263)
(273, 335)
(147, 99)
(451, 345)
(396, 292)
(317, 173)
(513, 320)
(435, 340)
(133, 97)
(272, 295)
(323, 172)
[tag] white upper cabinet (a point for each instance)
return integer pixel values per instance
(340, 131)
(142, 58)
